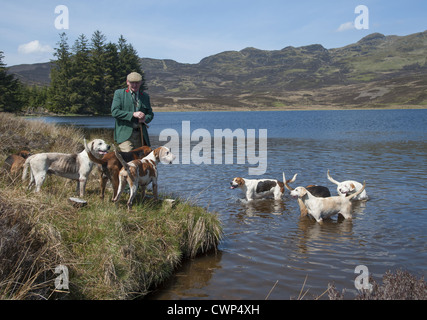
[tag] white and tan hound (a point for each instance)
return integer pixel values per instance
(141, 172)
(259, 188)
(317, 191)
(349, 187)
(322, 208)
(72, 166)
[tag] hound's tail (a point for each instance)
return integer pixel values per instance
(331, 179)
(358, 192)
(122, 161)
(25, 169)
(286, 182)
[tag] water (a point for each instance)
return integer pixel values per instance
(266, 241)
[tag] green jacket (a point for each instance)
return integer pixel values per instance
(122, 110)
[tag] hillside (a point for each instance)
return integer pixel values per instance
(377, 71)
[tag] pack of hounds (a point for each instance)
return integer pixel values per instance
(138, 168)
(313, 200)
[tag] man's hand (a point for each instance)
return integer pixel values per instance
(140, 116)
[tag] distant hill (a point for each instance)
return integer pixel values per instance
(32, 74)
(377, 71)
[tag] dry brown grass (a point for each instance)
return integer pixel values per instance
(28, 250)
(37, 136)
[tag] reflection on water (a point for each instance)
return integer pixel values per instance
(260, 208)
(190, 281)
(267, 241)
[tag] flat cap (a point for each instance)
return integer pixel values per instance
(134, 77)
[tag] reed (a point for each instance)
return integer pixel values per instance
(110, 253)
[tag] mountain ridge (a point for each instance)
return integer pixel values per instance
(376, 71)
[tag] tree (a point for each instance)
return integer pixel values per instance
(10, 97)
(97, 72)
(60, 91)
(84, 80)
(79, 82)
(112, 75)
(35, 97)
(128, 62)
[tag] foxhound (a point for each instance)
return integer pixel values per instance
(141, 172)
(348, 187)
(71, 166)
(317, 191)
(15, 162)
(109, 166)
(259, 188)
(322, 208)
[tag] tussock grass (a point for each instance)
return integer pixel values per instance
(37, 136)
(110, 253)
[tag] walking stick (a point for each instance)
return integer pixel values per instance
(140, 131)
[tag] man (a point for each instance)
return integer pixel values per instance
(132, 111)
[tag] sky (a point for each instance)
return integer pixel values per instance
(190, 30)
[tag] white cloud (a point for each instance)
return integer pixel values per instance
(346, 26)
(34, 47)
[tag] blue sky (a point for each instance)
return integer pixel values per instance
(189, 30)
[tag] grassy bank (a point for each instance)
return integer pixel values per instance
(110, 253)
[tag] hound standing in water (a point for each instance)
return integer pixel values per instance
(259, 188)
(322, 208)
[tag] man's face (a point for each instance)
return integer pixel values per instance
(134, 86)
